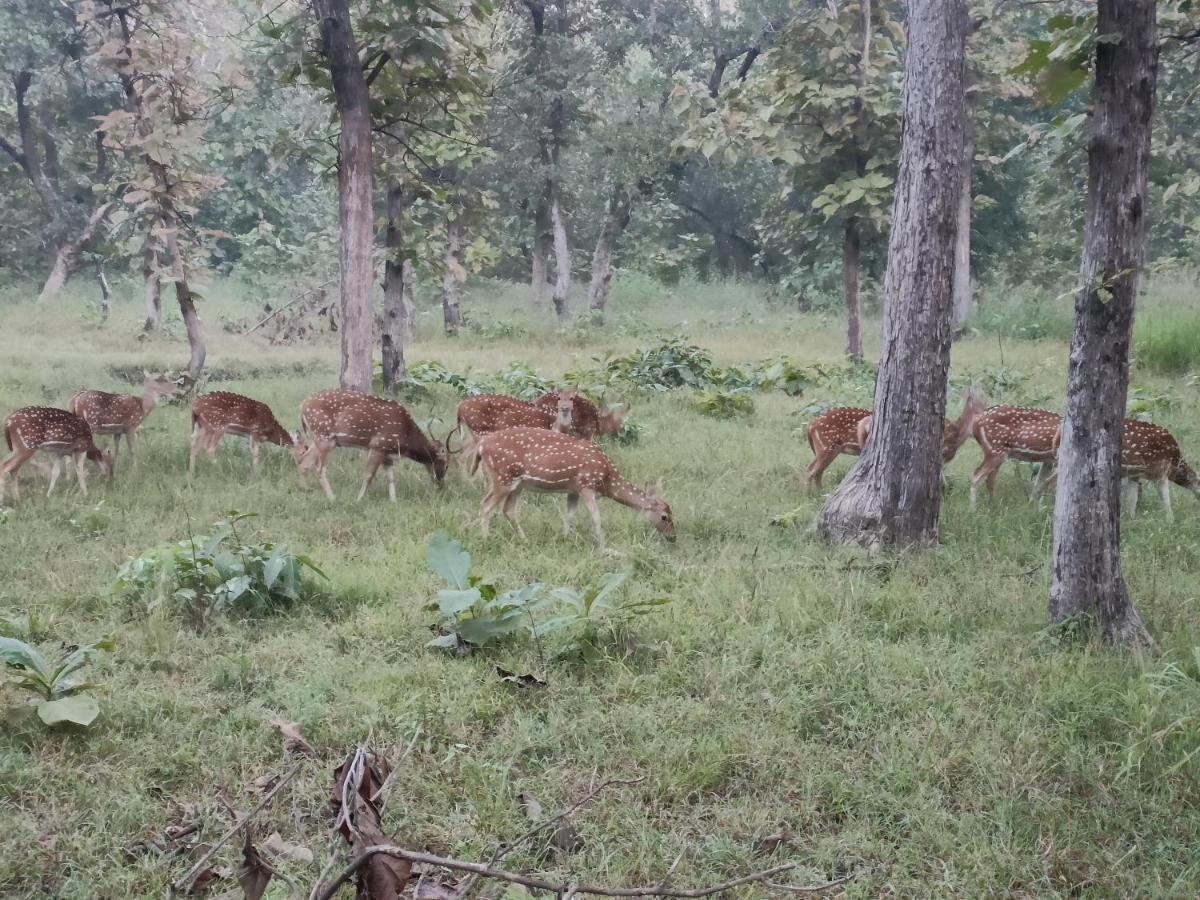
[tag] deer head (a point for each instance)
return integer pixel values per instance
(103, 459)
(658, 512)
(155, 388)
(564, 409)
(956, 433)
(611, 420)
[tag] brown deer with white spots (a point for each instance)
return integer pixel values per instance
(121, 415)
(1017, 432)
(57, 432)
(382, 427)
(489, 413)
(219, 413)
(1151, 453)
(519, 458)
(587, 420)
(845, 429)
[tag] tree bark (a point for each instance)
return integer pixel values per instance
(452, 278)
(543, 244)
(616, 220)
(105, 292)
(962, 244)
(67, 253)
(851, 266)
(1086, 577)
(892, 495)
(396, 315)
(152, 285)
(183, 294)
(562, 264)
(354, 191)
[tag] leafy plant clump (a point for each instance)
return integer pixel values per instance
(474, 613)
(60, 697)
(215, 573)
(723, 404)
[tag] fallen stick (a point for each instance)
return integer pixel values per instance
(562, 888)
(278, 310)
(180, 885)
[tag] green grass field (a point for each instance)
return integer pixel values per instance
(908, 719)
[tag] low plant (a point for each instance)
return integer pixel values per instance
(590, 614)
(60, 695)
(218, 572)
(1142, 404)
(724, 404)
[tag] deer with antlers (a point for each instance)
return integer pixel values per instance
(121, 414)
(488, 413)
(57, 432)
(219, 413)
(845, 429)
(542, 460)
(382, 427)
(587, 420)
(1018, 432)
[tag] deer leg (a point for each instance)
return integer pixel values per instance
(488, 508)
(389, 467)
(1047, 474)
(466, 452)
(572, 506)
(116, 445)
(322, 473)
(129, 448)
(213, 439)
(510, 510)
(589, 500)
(987, 469)
(374, 459)
(54, 475)
(10, 466)
(1164, 490)
(197, 441)
(817, 467)
(1133, 491)
(80, 474)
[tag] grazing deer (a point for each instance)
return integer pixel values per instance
(543, 460)
(1022, 433)
(54, 431)
(488, 413)
(219, 413)
(384, 428)
(587, 419)
(121, 414)
(1151, 453)
(846, 429)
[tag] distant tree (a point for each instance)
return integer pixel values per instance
(1086, 575)
(892, 495)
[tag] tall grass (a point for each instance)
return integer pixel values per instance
(1166, 333)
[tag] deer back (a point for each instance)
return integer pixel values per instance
(547, 460)
(229, 411)
(107, 412)
(837, 428)
(1022, 432)
(318, 412)
(48, 428)
(494, 412)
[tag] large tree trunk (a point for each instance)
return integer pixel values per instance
(962, 245)
(354, 191)
(562, 264)
(1086, 577)
(68, 253)
(452, 278)
(892, 494)
(151, 284)
(616, 220)
(851, 266)
(543, 244)
(183, 294)
(396, 315)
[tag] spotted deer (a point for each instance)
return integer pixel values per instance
(1017, 432)
(382, 427)
(1151, 453)
(845, 429)
(121, 414)
(587, 419)
(219, 413)
(54, 431)
(542, 460)
(488, 413)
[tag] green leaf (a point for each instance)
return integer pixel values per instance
(77, 659)
(447, 558)
(444, 642)
(611, 582)
(453, 603)
(274, 566)
(81, 709)
(22, 656)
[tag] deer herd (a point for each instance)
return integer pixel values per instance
(548, 445)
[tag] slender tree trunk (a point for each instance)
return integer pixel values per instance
(105, 292)
(892, 495)
(408, 301)
(962, 244)
(1086, 576)
(616, 220)
(354, 191)
(68, 253)
(562, 265)
(543, 244)
(183, 295)
(396, 316)
(151, 284)
(851, 266)
(452, 278)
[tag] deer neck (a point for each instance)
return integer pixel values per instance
(626, 494)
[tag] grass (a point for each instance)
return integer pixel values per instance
(909, 719)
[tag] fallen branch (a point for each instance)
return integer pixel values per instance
(292, 302)
(181, 885)
(562, 888)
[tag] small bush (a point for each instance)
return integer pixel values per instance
(215, 573)
(722, 404)
(1166, 339)
(60, 697)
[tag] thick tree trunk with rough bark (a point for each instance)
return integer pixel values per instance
(152, 285)
(354, 191)
(851, 266)
(1086, 576)
(68, 253)
(892, 495)
(616, 220)
(183, 294)
(962, 244)
(543, 244)
(562, 263)
(397, 318)
(452, 278)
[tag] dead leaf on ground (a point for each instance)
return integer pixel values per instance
(207, 878)
(564, 836)
(772, 842)
(259, 786)
(526, 680)
(356, 788)
(255, 873)
(278, 848)
(293, 739)
(432, 889)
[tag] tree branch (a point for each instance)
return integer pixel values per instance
(17, 155)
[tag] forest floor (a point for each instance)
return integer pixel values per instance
(908, 721)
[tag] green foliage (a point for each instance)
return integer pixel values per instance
(61, 696)
(1166, 338)
(1146, 405)
(590, 615)
(216, 573)
(724, 404)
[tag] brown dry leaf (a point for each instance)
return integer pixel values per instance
(356, 784)
(207, 878)
(255, 873)
(772, 842)
(293, 740)
(564, 837)
(278, 848)
(260, 786)
(432, 889)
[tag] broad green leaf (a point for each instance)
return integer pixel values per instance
(81, 709)
(79, 657)
(273, 567)
(611, 582)
(453, 603)
(22, 656)
(444, 642)
(447, 558)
